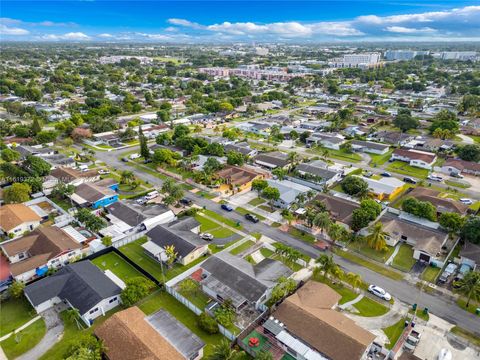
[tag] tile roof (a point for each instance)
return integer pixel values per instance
(442, 204)
(13, 215)
(462, 164)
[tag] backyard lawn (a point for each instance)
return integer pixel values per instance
(246, 245)
(136, 253)
(24, 340)
(403, 168)
(370, 308)
(404, 260)
(162, 300)
(116, 265)
(394, 332)
(14, 313)
(197, 297)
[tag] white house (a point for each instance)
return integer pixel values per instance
(421, 159)
(289, 192)
(16, 219)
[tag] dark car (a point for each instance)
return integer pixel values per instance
(226, 207)
(251, 218)
(386, 174)
(186, 202)
(410, 180)
(124, 159)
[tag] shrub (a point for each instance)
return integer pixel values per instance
(207, 323)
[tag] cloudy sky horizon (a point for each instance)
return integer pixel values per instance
(240, 21)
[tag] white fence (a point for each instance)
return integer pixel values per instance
(128, 239)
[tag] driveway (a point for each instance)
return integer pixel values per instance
(53, 335)
(466, 139)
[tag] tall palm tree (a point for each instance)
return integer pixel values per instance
(470, 286)
(292, 159)
(354, 279)
(376, 238)
(73, 315)
(322, 221)
(224, 351)
(337, 232)
(327, 265)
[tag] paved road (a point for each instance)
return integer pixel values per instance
(401, 290)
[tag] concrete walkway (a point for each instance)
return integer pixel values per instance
(350, 303)
(52, 336)
(395, 252)
(397, 311)
(466, 139)
(28, 323)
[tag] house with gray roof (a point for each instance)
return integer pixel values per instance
(369, 147)
(272, 160)
(81, 285)
(289, 192)
(242, 147)
(317, 172)
(329, 141)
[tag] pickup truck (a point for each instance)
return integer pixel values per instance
(412, 340)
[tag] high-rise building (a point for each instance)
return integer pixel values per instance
(403, 54)
(365, 60)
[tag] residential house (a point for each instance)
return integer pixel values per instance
(370, 147)
(131, 335)
(199, 163)
(313, 126)
(16, 219)
(429, 244)
(459, 166)
(306, 326)
(421, 159)
(272, 160)
(182, 235)
(26, 150)
(289, 192)
(94, 195)
(59, 160)
(385, 188)
(317, 172)
(242, 147)
(80, 285)
(74, 177)
(31, 255)
(329, 141)
(237, 178)
(441, 204)
(226, 276)
(470, 255)
(392, 137)
(339, 209)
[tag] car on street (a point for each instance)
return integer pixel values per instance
(251, 218)
(466, 201)
(135, 156)
(410, 180)
(456, 175)
(368, 174)
(386, 174)
(206, 236)
(103, 172)
(124, 159)
(435, 178)
(378, 291)
(227, 207)
(186, 202)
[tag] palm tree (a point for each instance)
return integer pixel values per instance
(73, 315)
(328, 266)
(171, 254)
(322, 221)
(292, 159)
(289, 217)
(126, 176)
(470, 286)
(337, 232)
(264, 355)
(354, 279)
(376, 239)
(325, 153)
(224, 351)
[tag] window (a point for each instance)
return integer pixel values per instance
(404, 237)
(112, 300)
(93, 311)
(21, 256)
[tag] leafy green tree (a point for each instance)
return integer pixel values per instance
(44, 136)
(137, 288)
(207, 323)
(17, 193)
(377, 237)
(259, 185)
(327, 265)
(235, 158)
(405, 121)
(211, 165)
(470, 286)
(171, 253)
(62, 190)
(85, 347)
(470, 152)
(180, 131)
(372, 207)
(355, 186)
(16, 289)
(419, 208)
(144, 150)
(224, 351)
(452, 222)
(471, 230)
(225, 313)
(36, 166)
(36, 183)
(280, 173)
(107, 241)
(360, 219)
(445, 120)
(283, 288)
(10, 155)
(271, 194)
(214, 149)
(36, 125)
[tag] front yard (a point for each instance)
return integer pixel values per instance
(394, 332)
(19, 343)
(14, 313)
(364, 249)
(380, 159)
(301, 235)
(404, 260)
(403, 168)
(370, 308)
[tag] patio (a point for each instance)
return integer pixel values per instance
(265, 343)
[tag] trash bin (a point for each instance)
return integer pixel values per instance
(477, 311)
(425, 311)
(414, 307)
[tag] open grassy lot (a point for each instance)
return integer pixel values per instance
(246, 245)
(404, 260)
(116, 265)
(14, 313)
(24, 340)
(364, 249)
(377, 159)
(300, 235)
(162, 300)
(370, 308)
(336, 154)
(370, 265)
(244, 211)
(403, 168)
(394, 332)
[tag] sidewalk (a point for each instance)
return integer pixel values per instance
(20, 328)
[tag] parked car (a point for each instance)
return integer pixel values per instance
(412, 340)
(135, 156)
(466, 201)
(147, 161)
(386, 174)
(251, 218)
(186, 202)
(434, 178)
(152, 195)
(103, 172)
(447, 273)
(124, 159)
(227, 207)
(410, 180)
(456, 175)
(378, 291)
(206, 236)
(368, 174)
(141, 201)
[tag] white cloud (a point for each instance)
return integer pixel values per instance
(6, 30)
(47, 23)
(406, 30)
(71, 36)
(106, 36)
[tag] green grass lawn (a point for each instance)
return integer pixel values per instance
(346, 293)
(197, 297)
(207, 225)
(404, 260)
(244, 211)
(337, 154)
(370, 265)
(300, 235)
(462, 302)
(221, 219)
(420, 314)
(136, 253)
(364, 249)
(267, 208)
(177, 269)
(14, 313)
(457, 184)
(24, 340)
(306, 258)
(246, 245)
(403, 168)
(370, 308)
(116, 265)
(162, 300)
(266, 252)
(257, 201)
(394, 332)
(377, 159)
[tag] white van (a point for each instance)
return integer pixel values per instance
(83, 167)
(152, 195)
(135, 156)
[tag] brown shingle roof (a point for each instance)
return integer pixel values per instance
(442, 204)
(128, 336)
(13, 215)
(340, 209)
(41, 245)
(66, 175)
(236, 175)
(307, 314)
(462, 164)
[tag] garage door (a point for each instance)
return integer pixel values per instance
(425, 257)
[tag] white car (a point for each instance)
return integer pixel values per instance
(466, 201)
(378, 291)
(103, 172)
(135, 156)
(206, 236)
(435, 178)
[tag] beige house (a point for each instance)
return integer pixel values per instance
(16, 219)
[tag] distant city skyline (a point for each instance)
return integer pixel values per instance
(240, 21)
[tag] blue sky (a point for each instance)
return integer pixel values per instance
(230, 21)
